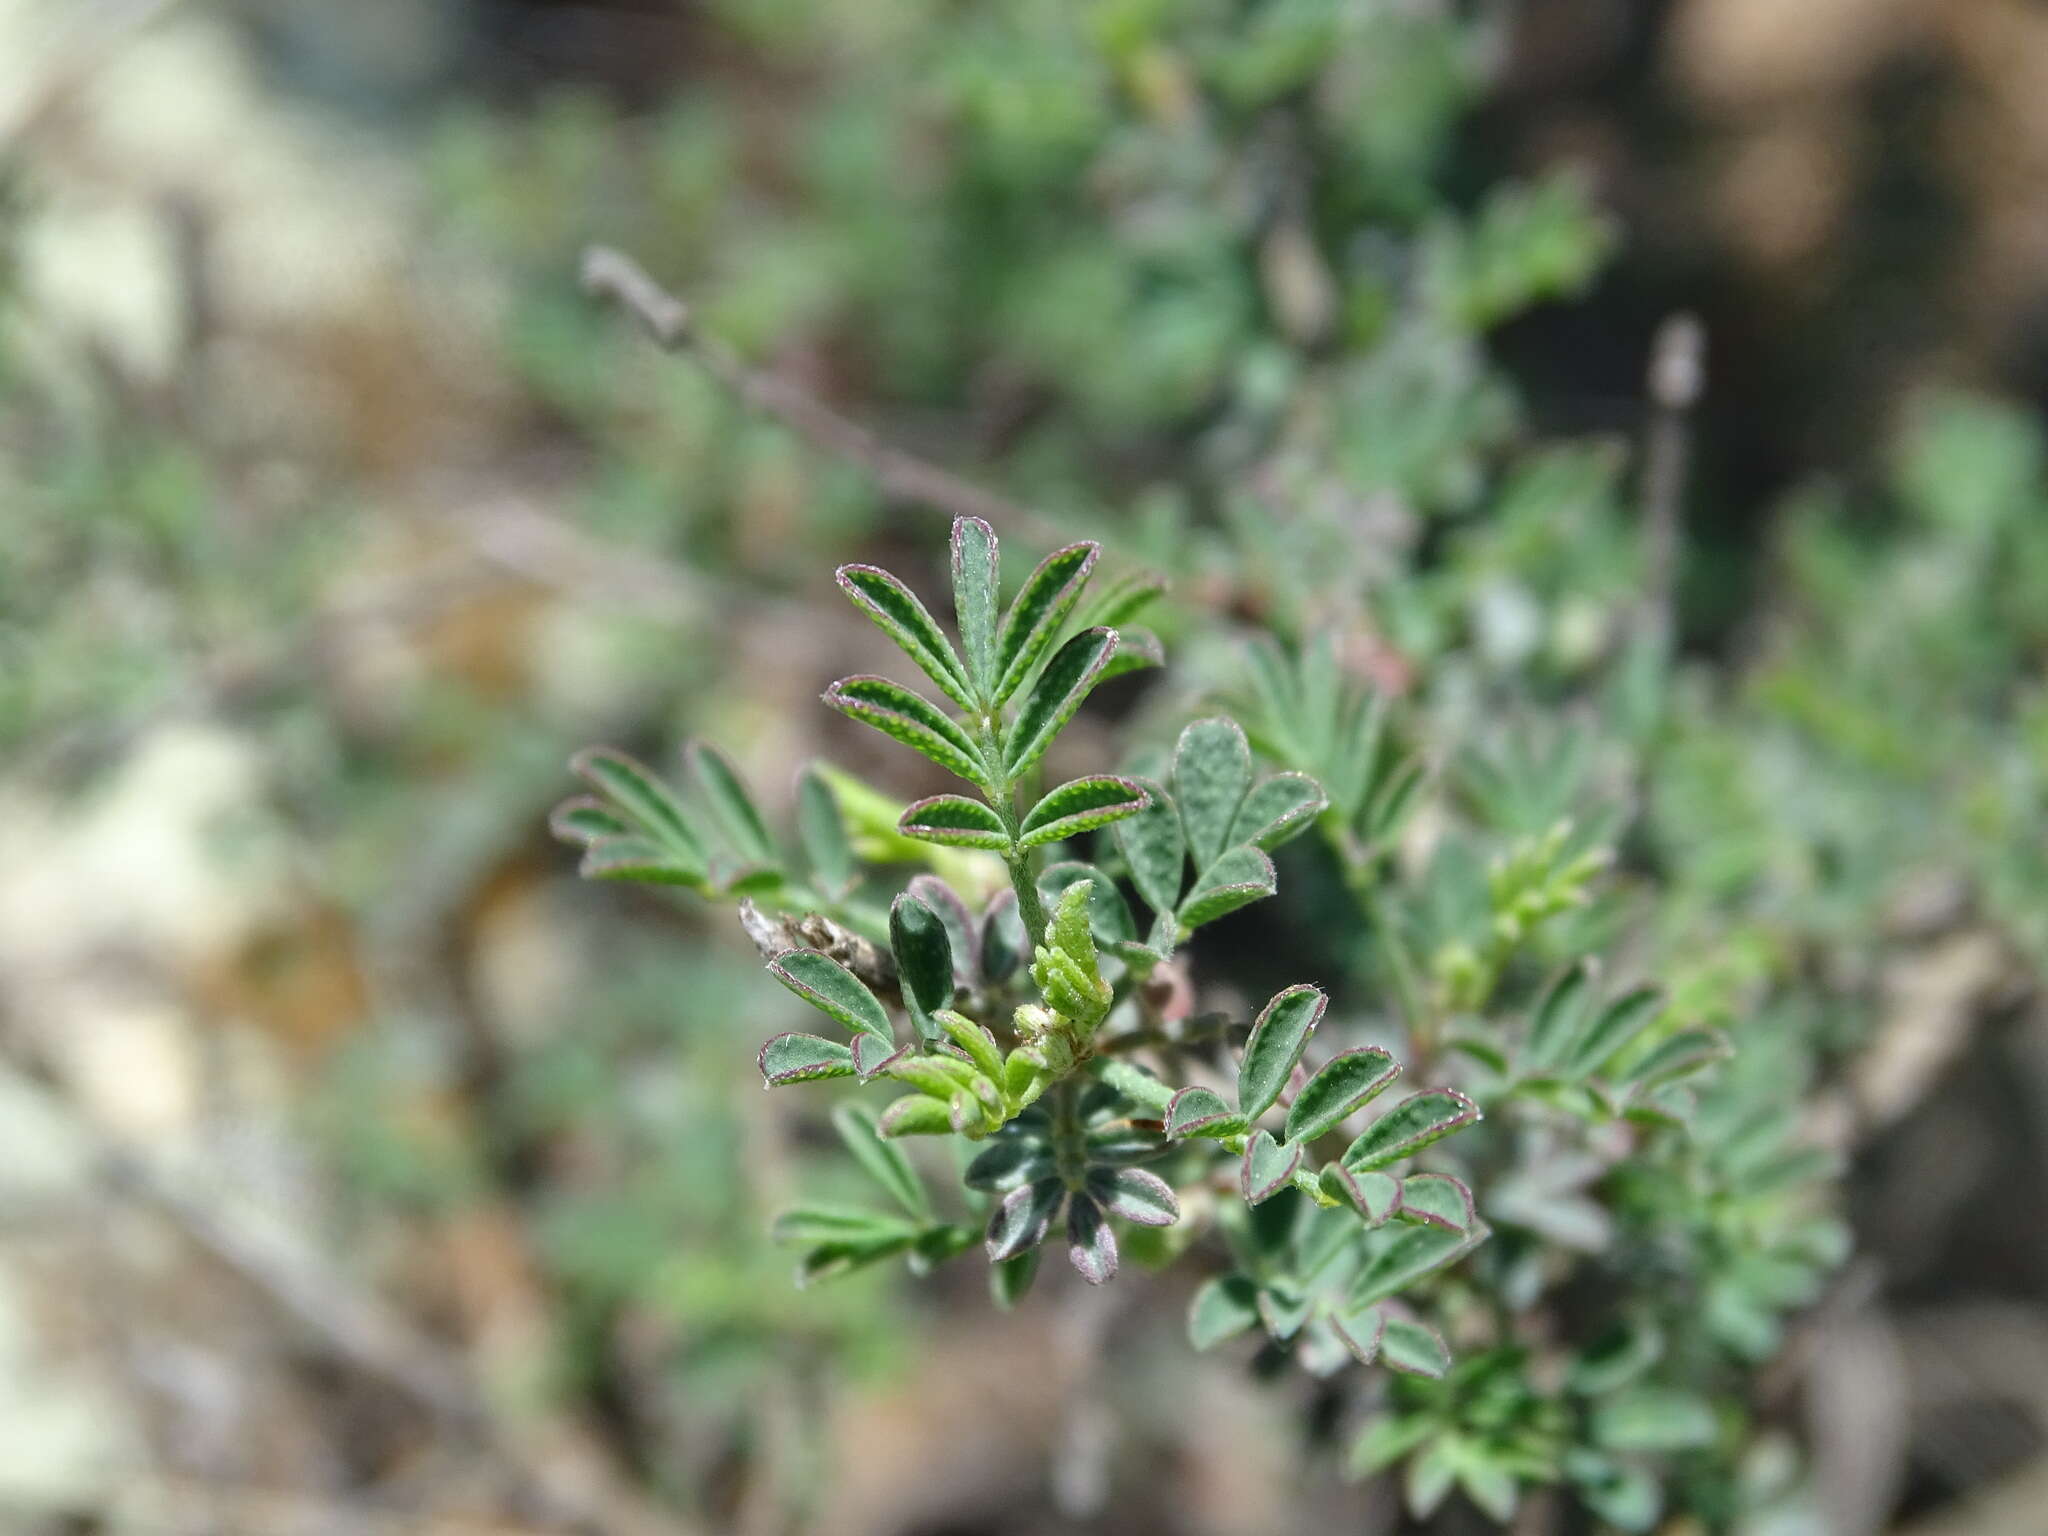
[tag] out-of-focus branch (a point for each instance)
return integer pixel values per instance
(1677, 378)
(561, 1467)
(614, 276)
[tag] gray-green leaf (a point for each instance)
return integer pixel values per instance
(899, 614)
(1268, 1167)
(731, 805)
(1277, 809)
(955, 821)
(1037, 612)
(881, 1161)
(911, 719)
(1344, 1084)
(1055, 696)
(1222, 1308)
(1410, 1126)
(975, 580)
(1278, 1038)
(795, 1058)
(1081, 805)
(1241, 876)
(1155, 848)
(830, 987)
(1212, 769)
(822, 832)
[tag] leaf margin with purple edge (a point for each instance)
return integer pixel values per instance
(832, 1060)
(989, 834)
(1257, 1178)
(1360, 1156)
(1091, 1241)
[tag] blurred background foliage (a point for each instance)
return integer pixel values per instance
(344, 1177)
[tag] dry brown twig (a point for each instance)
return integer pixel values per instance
(903, 476)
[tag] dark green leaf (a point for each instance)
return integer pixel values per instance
(975, 579)
(1009, 1162)
(823, 834)
(1437, 1200)
(1036, 613)
(1155, 848)
(911, 719)
(1135, 1195)
(803, 1059)
(1021, 1218)
(924, 959)
(1268, 1167)
(1344, 1084)
(1222, 1308)
(1240, 877)
(1277, 809)
(1058, 692)
(731, 806)
(1081, 805)
(1009, 1280)
(1202, 1112)
(1003, 941)
(1414, 1349)
(895, 608)
(883, 1163)
(829, 986)
(1212, 769)
(1091, 1244)
(963, 935)
(1121, 1142)
(1279, 1035)
(1410, 1126)
(955, 821)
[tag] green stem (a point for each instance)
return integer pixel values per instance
(1002, 800)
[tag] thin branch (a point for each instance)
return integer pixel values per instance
(902, 476)
(570, 1475)
(1677, 378)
